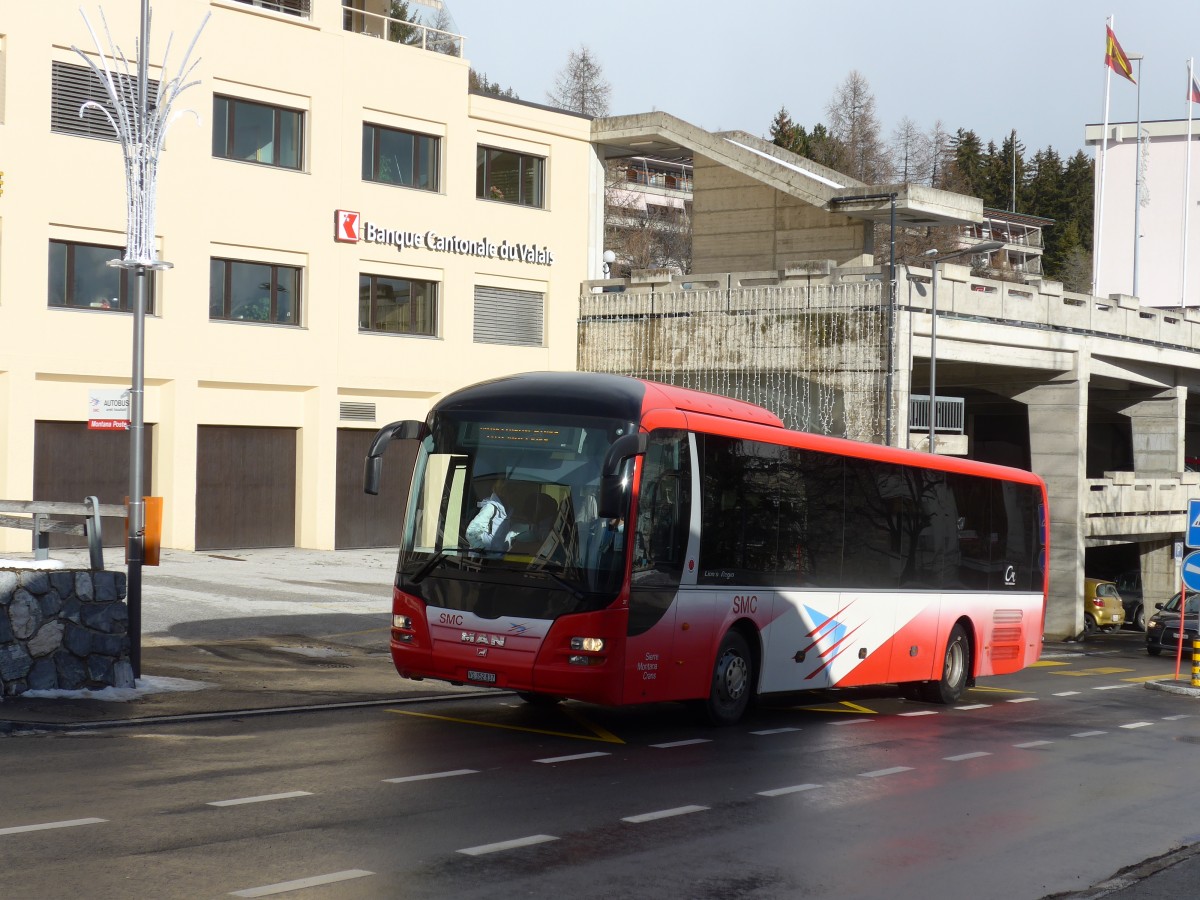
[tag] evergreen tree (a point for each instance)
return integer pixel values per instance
(478, 81)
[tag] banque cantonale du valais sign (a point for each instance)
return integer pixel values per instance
(351, 228)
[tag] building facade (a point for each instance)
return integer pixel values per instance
(351, 233)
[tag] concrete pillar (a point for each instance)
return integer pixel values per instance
(1160, 577)
(1158, 428)
(1057, 444)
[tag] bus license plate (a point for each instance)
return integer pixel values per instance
(488, 677)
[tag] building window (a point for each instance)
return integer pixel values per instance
(290, 7)
(509, 177)
(392, 156)
(256, 132)
(253, 292)
(505, 316)
(80, 278)
(72, 86)
(397, 305)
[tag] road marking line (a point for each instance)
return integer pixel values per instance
(879, 773)
(46, 826)
(1043, 662)
(795, 788)
(1137, 725)
(687, 743)
(1176, 718)
(566, 734)
(600, 732)
(284, 886)
(1029, 744)
(850, 721)
(774, 731)
(974, 706)
(451, 774)
(1141, 679)
(965, 756)
(1088, 733)
(559, 759)
(994, 690)
(1110, 687)
(842, 707)
(484, 849)
(1021, 700)
(663, 814)
(920, 712)
(263, 798)
(1066, 693)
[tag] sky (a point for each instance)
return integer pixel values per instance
(1037, 67)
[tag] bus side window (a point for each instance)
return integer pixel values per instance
(663, 506)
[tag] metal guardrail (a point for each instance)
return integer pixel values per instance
(401, 31)
(951, 414)
(45, 517)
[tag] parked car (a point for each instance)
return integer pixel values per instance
(1102, 608)
(1162, 631)
(1129, 584)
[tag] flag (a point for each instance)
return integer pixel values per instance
(1115, 58)
(1194, 93)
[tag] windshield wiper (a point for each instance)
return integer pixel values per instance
(571, 589)
(432, 563)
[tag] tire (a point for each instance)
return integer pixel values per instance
(1154, 651)
(534, 699)
(1089, 626)
(732, 681)
(1139, 618)
(956, 670)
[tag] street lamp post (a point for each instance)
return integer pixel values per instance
(973, 250)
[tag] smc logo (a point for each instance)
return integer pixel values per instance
(346, 226)
(450, 619)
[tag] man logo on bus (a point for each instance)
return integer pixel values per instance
(346, 226)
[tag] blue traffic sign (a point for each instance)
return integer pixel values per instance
(1191, 571)
(1193, 524)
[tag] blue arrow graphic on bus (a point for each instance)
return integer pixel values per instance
(819, 622)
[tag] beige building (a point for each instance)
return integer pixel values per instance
(351, 233)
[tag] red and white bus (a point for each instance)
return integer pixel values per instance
(656, 543)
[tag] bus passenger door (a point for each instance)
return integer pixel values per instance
(660, 541)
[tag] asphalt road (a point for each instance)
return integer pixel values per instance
(1049, 782)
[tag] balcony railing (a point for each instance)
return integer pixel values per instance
(951, 416)
(400, 31)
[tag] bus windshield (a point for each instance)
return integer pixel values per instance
(503, 515)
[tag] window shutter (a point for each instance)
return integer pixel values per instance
(360, 412)
(509, 317)
(71, 87)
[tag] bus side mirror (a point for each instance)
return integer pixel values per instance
(404, 430)
(609, 502)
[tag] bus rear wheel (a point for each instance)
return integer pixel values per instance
(732, 681)
(956, 670)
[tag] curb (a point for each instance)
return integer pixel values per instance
(1174, 687)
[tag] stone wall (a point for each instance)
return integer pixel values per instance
(63, 629)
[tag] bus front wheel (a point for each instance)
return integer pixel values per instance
(732, 681)
(956, 669)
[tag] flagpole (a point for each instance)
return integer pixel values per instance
(1187, 180)
(1098, 238)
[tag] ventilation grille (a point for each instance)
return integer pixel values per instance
(72, 86)
(509, 317)
(357, 412)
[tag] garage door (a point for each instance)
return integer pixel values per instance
(364, 520)
(71, 463)
(245, 487)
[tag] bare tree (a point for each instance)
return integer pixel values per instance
(580, 85)
(910, 152)
(643, 235)
(855, 126)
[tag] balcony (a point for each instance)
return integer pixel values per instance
(400, 31)
(299, 8)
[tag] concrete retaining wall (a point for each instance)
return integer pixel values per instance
(63, 628)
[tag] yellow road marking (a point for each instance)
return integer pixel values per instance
(1103, 670)
(845, 706)
(997, 690)
(1042, 663)
(1169, 675)
(599, 734)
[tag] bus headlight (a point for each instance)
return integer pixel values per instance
(402, 622)
(590, 644)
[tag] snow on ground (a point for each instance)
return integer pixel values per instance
(151, 684)
(31, 563)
